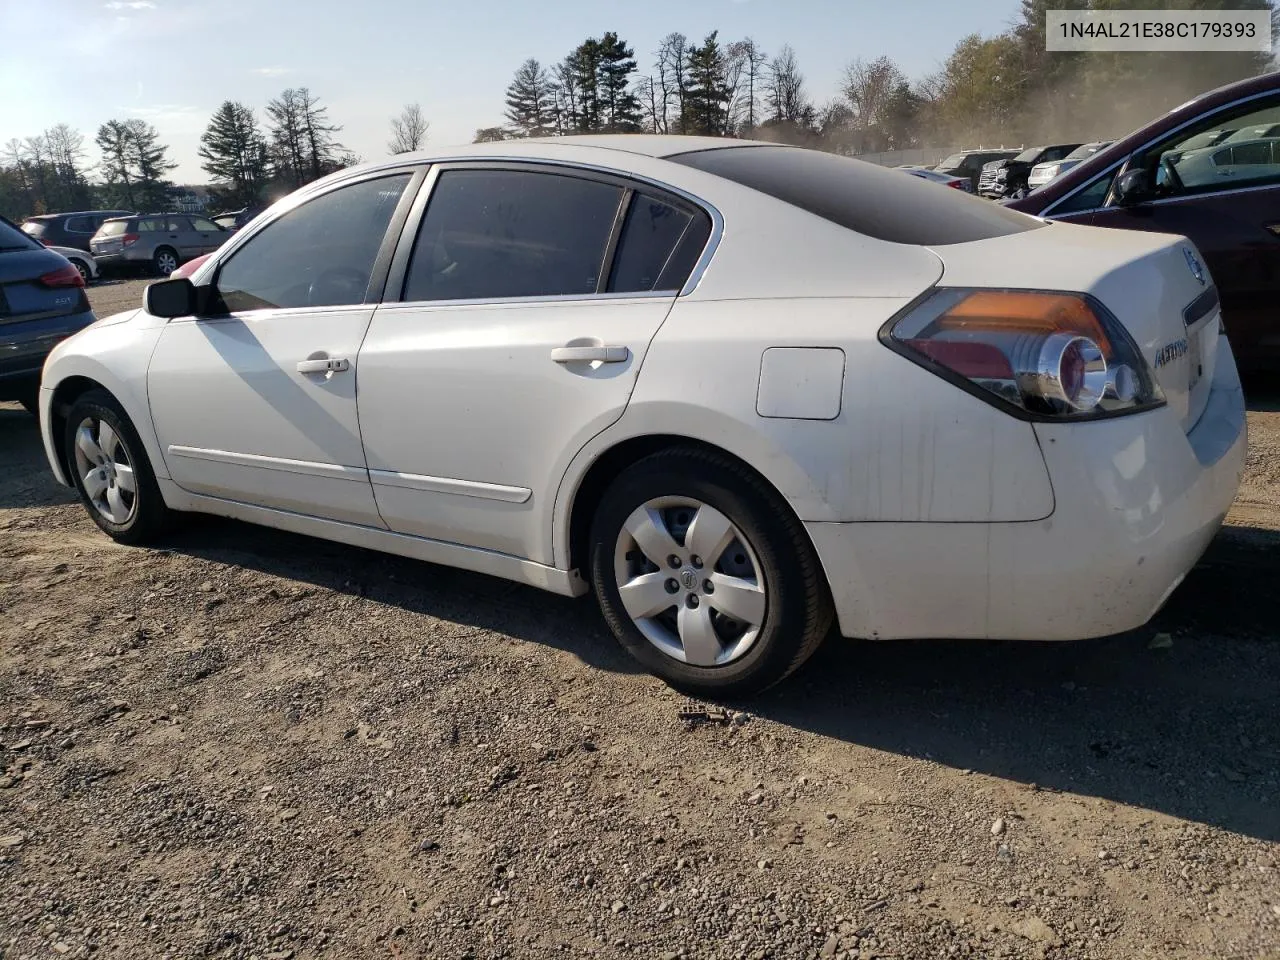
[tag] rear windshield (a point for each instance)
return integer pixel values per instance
(953, 161)
(1026, 156)
(113, 228)
(33, 228)
(874, 201)
(11, 238)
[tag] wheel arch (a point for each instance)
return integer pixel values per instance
(581, 500)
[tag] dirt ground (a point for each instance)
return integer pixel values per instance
(255, 745)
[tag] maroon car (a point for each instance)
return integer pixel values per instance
(1209, 170)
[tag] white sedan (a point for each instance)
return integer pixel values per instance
(739, 391)
(84, 263)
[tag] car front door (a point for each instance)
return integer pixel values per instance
(255, 400)
(182, 237)
(526, 307)
(209, 235)
(1230, 211)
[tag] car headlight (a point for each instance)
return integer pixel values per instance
(1039, 355)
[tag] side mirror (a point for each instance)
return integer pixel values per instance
(170, 298)
(1133, 186)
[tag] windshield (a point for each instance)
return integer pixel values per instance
(113, 228)
(1026, 156)
(11, 238)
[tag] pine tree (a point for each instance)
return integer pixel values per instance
(583, 69)
(235, 154)
(531, 101)
(151, 163)
(620, 110)
(707, 99)
(113, 141)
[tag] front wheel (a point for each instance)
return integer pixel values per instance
(111, 471)
(705, 576)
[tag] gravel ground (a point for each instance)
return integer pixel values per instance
(254, 745)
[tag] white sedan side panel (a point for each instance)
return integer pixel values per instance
(469, 422)
(237, 420)
(906, 445)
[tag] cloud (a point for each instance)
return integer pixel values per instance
(130, 5)
(271, 71)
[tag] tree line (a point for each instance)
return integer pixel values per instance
(1000, 90)
(248, 161)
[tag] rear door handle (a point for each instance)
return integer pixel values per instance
(325, 365)
(590, 354)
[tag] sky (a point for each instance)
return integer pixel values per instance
(172, 62)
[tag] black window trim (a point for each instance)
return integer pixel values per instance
(207, 298)
(1122, 163)
(630, 184)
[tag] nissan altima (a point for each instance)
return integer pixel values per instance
(741, 392)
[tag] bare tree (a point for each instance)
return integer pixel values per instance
(784, 88)
(749, 101)
(673, 79)
(646, 92)
(408, 131)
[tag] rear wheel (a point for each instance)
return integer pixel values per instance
(83, 270)
(111, 472)
(165, 261)
(705, 576)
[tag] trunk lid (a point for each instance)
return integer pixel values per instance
(1155, 284)
(23, 297)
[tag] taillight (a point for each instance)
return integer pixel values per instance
(956, 184)
(129, 239)
(67, 276)
(1050, 354)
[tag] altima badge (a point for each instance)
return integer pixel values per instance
(1197, 271)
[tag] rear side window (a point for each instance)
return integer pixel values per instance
(179, 225)
(151, 225)
(319, 254)
(874, 201)
(492, 234)
(659, 245)
(113, 228)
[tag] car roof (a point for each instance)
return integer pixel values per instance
(73, 213)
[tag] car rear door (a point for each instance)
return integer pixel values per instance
(255, 400)
(516, 318)
(184, 237)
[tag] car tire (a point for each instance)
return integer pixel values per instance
(105, 462)
(760, 605)
(83, 269)
(164, 261)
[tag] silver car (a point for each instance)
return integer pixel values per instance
(158, 240)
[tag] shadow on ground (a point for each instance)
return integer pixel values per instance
(1187, 725)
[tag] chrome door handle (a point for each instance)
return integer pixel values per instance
(590, 354)
(326, 365)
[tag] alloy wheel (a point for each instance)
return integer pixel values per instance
(166, 263)
(105, 468)
(690, 581)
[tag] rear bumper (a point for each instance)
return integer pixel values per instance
(1136, 503)
(25, 345)
(126, 257)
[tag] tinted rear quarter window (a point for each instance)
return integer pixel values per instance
(659, 246)
(874, 201)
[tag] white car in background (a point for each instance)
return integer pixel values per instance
(738, 390)
(1042, 173)
(84, 262)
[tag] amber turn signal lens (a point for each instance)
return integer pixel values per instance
(1011, 311)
